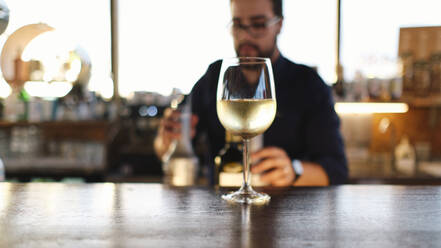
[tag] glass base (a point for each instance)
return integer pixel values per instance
(247, 196)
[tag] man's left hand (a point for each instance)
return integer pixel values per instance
(274, 165)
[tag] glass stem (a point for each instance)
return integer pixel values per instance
(246, 163)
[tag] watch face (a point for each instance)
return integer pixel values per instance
(298, 168)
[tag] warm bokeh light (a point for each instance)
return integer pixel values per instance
(96, 82)
(55, 54)
(370, 108)
(47, 90)
(89, 31)
(46, 45)
(74, 70)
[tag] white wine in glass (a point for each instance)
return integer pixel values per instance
(246, 106)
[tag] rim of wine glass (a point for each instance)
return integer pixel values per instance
(234, 61)
(259, 60)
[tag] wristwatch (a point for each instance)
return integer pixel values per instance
(298, 169)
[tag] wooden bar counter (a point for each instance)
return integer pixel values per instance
(155, 215)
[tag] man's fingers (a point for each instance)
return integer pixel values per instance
(171, 114)
(194, 120)
(268, 164)
(287, 177)
(172, 126)
(278, 177)
(172, 135)
(268, 152)
(169, 128)
(282, 182)
(272, 176)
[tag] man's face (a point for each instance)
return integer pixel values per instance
(262, 27)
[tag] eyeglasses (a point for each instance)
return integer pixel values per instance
(255, 29)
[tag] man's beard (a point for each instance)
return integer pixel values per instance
(260, 53)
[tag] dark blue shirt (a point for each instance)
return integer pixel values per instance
(306, 125)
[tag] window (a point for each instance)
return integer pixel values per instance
(370, 33)
(309, 35)
(86, 22)
(169, 44)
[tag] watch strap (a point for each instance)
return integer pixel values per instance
(298, 169)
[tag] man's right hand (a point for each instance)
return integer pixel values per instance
(170, 129)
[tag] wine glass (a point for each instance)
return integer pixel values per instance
(246, 106)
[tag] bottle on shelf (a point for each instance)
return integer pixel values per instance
(421, 66)
(405, 158)
(24, 98)
(406, 61)
(435, 62)
(180, 163)
(229, 162)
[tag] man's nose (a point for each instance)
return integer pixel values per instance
(244, 34)
(244, 37)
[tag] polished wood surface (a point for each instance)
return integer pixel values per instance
(155, 215)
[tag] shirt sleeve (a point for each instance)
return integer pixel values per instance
(202, 96)
(324, 140)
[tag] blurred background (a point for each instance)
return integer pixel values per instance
(83, 84)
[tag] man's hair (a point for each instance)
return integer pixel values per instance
(277, 7)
